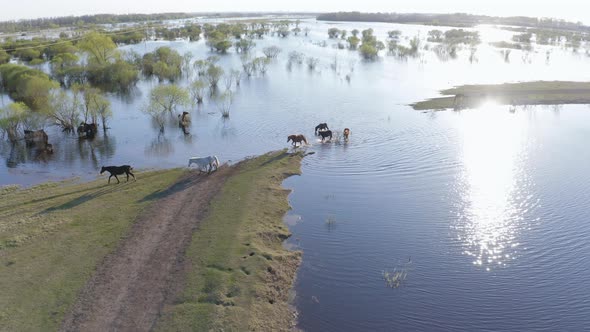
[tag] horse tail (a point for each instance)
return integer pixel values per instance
(216, 161)
(303, 137)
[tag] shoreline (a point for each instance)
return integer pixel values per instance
(231, 271)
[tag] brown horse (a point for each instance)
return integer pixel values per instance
(346, 133)
(296, 139)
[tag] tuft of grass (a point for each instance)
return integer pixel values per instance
(243, 233)
(331, 222)
(393, 279)
(52, 237)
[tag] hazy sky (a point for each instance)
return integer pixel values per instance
(574, 10)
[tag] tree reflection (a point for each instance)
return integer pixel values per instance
(161, 146)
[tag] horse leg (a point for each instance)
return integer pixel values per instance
(110, 179)
(131, 175)
(117, 178)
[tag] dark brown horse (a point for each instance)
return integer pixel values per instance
(346, 133)
(87, 130)
(325, 133)
(296, 139)
(118, 170)
(32, 136)
(320, 127)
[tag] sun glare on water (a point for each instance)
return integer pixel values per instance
(493, 185)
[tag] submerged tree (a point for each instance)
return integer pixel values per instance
(213, 75)
(312, 62)
(236, 75)
(261, 64)
(12, 119)
(96, 106)
(244, 45)
(371, 46)
(271, 52)
(164, 99)
(224, 102)
(197, 90)
(66, 108)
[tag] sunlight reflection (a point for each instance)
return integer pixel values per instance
(493, 188)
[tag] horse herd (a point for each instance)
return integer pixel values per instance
(207, 164)
(320, 130)
(211, 163)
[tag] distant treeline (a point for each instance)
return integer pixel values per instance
(457, 20)
(68, 21)
(76, 21)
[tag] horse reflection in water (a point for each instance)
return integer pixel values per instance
(206, 163)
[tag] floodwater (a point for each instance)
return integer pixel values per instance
(481, 214)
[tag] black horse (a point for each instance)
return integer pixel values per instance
(118, 170)
(87, 130)
(325, 133)
(320, 127)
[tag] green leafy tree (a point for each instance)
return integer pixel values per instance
(96, 105)
(34, 91)
(394, 34)
(244, 45)
(164, 100)
(353, 42)
(435, 36)
(4, 57)
(99, 48)
(368, 51)
(197, 89)
(65, 108)
(333, 32)
(213, 75)
(12, 118)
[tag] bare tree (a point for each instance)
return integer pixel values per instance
(312, 62)
(271, 52)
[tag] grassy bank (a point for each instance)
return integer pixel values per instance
(239, 273)
(526, 93)
(53, 236)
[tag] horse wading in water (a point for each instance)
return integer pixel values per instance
(296, 139)
(326, 133)
(208, 162)
(346, 133)
(320, 127)
(118, 170)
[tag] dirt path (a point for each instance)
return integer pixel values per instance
(132, 284)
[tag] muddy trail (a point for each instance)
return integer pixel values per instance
(131, 285)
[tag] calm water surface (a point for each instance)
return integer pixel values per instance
(484, 211)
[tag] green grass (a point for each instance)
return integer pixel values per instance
(53, 236)
(526, 93)
(240, 274)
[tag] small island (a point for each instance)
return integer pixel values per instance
(524, 93)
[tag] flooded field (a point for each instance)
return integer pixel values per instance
(457, 220)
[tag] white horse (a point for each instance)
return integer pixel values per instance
(208, 162)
